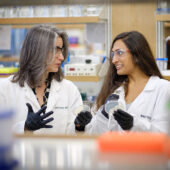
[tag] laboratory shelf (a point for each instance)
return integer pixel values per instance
(9, 59)
(83, 78)
(61, 26)
(74, 78)
(163, 17)
(4, 76)
(166, 77)
(43, 20)
(166, 74)
(167, 24)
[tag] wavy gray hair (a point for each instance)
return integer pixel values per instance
(37, 50)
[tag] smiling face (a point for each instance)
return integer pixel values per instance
(57, 58)
(122, 59)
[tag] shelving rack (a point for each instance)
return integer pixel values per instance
(162, 19)
(63, 22)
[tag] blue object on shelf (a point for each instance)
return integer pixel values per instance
(163, 10)
(104, 58)
(161, 59)
(73, 40)
(17, 38)
(65, 62)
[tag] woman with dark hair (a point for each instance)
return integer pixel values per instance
(43, 99)
(134, 94)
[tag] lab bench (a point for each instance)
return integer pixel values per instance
(79, 152)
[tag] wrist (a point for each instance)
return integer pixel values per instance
(27, 128)
(79, 128)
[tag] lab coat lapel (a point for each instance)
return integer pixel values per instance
(141, 99)
(30, 96)
(54, 95)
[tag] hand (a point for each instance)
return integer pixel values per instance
(36, 121)
(82, 119)
(124, 119)
(114, 97)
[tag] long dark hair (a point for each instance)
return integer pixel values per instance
(37, 49)
(141, 55)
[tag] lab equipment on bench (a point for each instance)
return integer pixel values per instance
(113, 150)
(81, 69)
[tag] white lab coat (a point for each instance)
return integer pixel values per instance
(63, 99)
(149, 110)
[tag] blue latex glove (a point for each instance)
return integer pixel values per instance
(36, 121)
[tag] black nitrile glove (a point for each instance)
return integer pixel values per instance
(109, 98)
(105, 113)
(36, 121)
(82, 119)
(124, 119)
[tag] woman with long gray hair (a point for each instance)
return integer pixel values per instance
(43, 100)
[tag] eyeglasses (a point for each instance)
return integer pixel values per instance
(119, 53)
(59, 50)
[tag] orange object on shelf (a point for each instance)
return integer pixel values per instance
(132, 142)
(74, 45)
